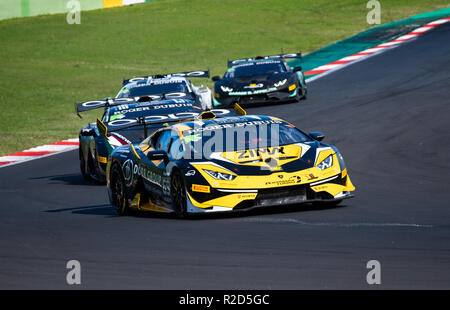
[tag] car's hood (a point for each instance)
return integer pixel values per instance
(288, 158)
(293, 165)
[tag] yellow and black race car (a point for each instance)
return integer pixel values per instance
(226, 164)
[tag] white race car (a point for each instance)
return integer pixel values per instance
(168, 86)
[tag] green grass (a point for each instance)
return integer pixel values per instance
(47, 65)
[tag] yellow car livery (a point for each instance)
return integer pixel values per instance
(233, 163)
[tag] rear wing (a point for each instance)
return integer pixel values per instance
(96, 104)
(199, 74)
(141, 121)
(280, 56)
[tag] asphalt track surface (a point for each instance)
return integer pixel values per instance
(390, 117)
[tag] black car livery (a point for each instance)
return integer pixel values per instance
(260, 80)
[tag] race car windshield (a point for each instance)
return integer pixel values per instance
(153, 89)
(256, 68)
(242, 136)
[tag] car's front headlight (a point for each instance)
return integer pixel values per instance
(280, 83)
(220, 175)
(226, 89)
(326, 163)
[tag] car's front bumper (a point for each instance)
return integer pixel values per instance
(240, 200)
(258, 99)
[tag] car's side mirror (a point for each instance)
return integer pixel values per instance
(296, 69)
(215, 78)
(317, 136)
(158, 155)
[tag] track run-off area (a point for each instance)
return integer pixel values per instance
(389, 115)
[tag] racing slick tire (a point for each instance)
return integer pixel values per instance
(301, 94)
(305, 95)
(84, 166)
(118, 190)
(178, 194)
(304, 90)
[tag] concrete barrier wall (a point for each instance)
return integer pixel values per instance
(22, 8)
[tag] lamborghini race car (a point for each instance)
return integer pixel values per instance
(168, 86)
(126, 121)
(226, 164)
(260, 80)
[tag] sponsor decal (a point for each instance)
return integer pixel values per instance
(156, 82)
(122, 107)
(246, 196)
(168, 117)
(192, 74)
(190, 173)
(169, 81)
(282, 182)
(311, 177)
(97, 103)
(175, 116)
(102, 159)
(131, 171)
(200, 188)
(122, 150)
(173, 75)
(127, 169)
(167, 95)
(254, 63)
(147, 174)
(254, 86)
(320, 188)
(235, 125)
(192, 138)
(117, 116)
(126, 109)
(256, 92)
(292, 180)
(248, 154)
